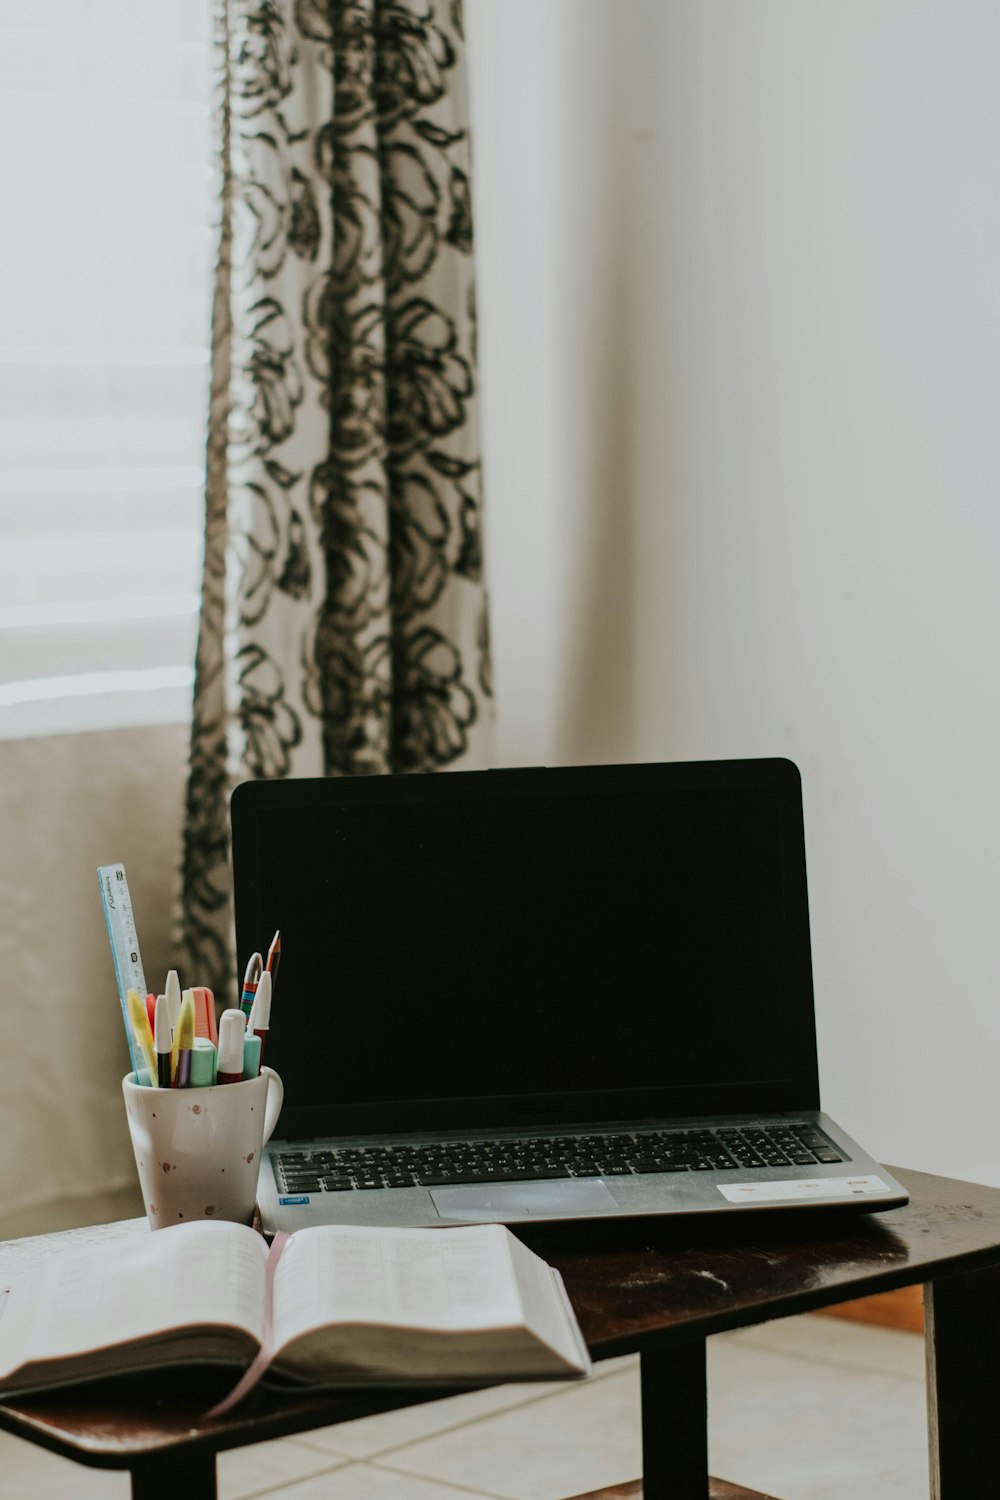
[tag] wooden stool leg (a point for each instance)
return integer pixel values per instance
(962, 1316)
(675, 1424)
(183, 1475)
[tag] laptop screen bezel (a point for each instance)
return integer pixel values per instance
(567, 1108)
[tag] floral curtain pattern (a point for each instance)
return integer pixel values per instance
(344, 626)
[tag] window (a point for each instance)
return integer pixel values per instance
(105, 288)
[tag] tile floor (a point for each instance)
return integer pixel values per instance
(811, 1408)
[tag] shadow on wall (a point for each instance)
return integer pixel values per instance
(597, 702)
(69, 803)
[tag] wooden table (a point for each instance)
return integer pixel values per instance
(656, 1287)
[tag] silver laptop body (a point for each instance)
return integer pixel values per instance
(532, 995)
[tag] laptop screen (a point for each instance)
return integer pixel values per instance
(518, 947)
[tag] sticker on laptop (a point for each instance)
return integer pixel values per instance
(803, 1187)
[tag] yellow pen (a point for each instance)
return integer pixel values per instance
(183, 1042)
(139, 1019)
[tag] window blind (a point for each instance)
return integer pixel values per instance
(105, 289)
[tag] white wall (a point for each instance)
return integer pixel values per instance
(68, 804)
(740, 292)
(555, 362)
(738, 272)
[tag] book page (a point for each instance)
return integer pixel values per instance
(547, 1309)
(407, 1278)
(20, 1255)
(80, 1301)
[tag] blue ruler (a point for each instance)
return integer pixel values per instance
(124, 945)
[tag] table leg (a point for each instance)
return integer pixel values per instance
(962, 1315)
(674, 1424)
(179, 1475)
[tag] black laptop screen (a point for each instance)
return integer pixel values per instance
(530, 945)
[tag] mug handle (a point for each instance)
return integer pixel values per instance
(275, 1096)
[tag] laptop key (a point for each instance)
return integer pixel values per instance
(529, 1174)
(448, 1179)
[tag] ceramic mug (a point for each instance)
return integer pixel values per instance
(198, 1150)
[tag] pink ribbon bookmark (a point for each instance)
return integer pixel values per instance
(265, 1354)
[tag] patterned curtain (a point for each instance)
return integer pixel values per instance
(343, 626)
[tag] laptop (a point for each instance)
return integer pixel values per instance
(539, 994)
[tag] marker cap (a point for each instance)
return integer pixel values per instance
(260, 1016)
(172, 990)
(251, 1056)
(232, 1029)
(204, 1013)
(203, 1063)
(161, 1025)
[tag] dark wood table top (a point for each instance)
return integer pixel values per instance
(635, 1285)
(643, 1284)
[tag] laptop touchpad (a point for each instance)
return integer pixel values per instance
(576, 1198)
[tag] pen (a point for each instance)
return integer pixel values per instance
(172, 990)
(184, 1042)
(162, 1044)
(232, 1029)
(260, 1017)
(274, 958)
(141, 1032)
(250, 978)
(251, 1055)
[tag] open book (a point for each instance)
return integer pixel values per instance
(347, 1306)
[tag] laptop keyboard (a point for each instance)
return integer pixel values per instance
(348, 1169)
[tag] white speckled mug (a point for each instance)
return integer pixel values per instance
(198, 1150)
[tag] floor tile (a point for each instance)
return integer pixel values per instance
(28, 1471)
(620, 1362)
(814, 1430)
(888, 1351)
(369, 1436)
(244, 1472)
(370, 1482)
(563, 1444)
